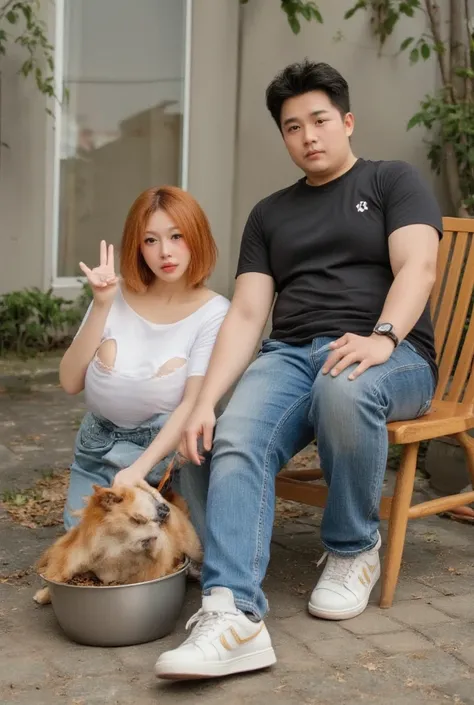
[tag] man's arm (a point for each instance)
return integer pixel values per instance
(413, 252)
(236, 343)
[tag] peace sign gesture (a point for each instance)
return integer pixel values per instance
(102, 279)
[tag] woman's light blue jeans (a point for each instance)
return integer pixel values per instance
(281, 403)
(102, 449)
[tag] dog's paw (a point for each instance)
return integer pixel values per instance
(42, 596)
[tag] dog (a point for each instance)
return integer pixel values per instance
(126, 535)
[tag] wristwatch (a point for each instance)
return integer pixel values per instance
(386, 329)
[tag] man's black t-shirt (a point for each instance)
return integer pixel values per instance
(326, 248)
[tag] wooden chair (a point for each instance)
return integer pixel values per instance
(452, 412)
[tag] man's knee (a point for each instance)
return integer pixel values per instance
(340, 408)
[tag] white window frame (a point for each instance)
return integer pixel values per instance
(74, 283)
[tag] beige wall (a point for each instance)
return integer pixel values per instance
(214, 77)
(385, 92)
(23, 182)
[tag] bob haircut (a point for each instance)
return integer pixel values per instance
(190, 220)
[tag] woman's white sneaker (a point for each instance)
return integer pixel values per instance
(223, 641)
(344, 588)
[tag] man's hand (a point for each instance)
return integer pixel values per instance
(350, 348)
(129, 477)
(201, 423)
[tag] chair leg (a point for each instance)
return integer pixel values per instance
(398, 523)
(467, 443)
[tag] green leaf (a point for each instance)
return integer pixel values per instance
(361, 5)
(306, 12)
(317, 15)
(414, 121)
(406, 43)
(425, 51)
(12, 17)
(294, 24)
(464, 72)
(414, 55)
(406, 9)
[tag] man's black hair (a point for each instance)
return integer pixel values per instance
(303, 77)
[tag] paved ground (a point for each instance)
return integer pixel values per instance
(420, 651)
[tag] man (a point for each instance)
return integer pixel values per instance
(350, 250)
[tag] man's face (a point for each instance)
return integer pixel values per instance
(315, 133)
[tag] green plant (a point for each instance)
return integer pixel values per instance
(33, 321)
(20, 23)
(296, 9)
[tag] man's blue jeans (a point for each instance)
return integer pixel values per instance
(281, 403)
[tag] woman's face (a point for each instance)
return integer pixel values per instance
(164, 248)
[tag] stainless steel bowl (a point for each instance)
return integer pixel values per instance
(119, 615)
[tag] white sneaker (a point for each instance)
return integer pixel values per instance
(223, 641)
(344, 588)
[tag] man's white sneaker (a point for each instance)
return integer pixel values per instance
(344, 588)
(223, 641)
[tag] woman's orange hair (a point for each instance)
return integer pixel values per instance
(192, 223)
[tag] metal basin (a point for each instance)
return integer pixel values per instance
(119, 615)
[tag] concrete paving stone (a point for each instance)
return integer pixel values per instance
(372, 621)
(466, 654)
(457, 606)
(16, 672)
(416, 613)
(433, 667)
(400, 642)
(285, 603)
(343, 650)
(457, 585)
(408, 589)
(461, 692)
(305, 628)
(355, 683)
(450, 636)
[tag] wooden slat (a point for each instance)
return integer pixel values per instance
(316, 495)
(449, 292)
(306, 475)
(463, 369)
(455, 224)
(443, 504)
(457, 325)
(443, 252)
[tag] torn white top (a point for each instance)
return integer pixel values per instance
(132, 391)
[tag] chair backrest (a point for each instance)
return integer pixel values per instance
(451, 309)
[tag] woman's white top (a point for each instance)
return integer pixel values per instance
(133, 390)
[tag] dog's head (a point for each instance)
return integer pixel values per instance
(134, 516)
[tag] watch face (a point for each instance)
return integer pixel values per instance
(384, 328)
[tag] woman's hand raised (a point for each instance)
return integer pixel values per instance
(102, 279)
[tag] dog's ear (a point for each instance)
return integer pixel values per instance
(107, 497)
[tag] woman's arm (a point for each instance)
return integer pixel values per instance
(168, 438)
(74, 363)
(103, 282)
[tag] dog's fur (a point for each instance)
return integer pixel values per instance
(126, 535)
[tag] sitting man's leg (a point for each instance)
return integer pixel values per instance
(350, 425)
(264, 425)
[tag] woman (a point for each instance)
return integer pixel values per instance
(142, 350)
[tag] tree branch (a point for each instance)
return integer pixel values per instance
(432, 8)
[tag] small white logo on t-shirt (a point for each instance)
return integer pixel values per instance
(362, 206)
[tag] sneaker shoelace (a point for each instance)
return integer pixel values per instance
(204, 623)
(338, 568)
